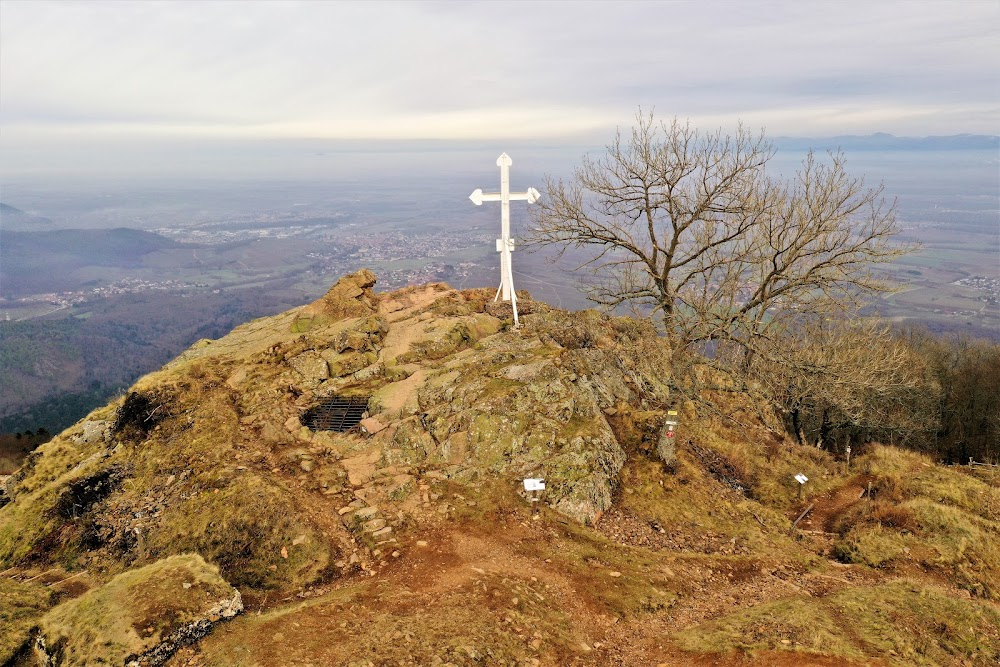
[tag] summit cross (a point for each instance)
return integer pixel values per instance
(505, 244)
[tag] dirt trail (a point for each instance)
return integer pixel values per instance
(832, 504)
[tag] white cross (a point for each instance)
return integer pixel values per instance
(505, 244)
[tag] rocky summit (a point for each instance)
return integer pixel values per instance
(342, 484)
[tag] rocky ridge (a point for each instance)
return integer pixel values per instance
(201, 517)
(210, 455)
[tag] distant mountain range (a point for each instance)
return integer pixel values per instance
(881, 141)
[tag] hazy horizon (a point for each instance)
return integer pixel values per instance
(137, 83)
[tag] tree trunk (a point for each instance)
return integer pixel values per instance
(824, 429)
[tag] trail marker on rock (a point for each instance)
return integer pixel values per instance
(671, 423)
(505, 244)
(534, 486)
(666, 446)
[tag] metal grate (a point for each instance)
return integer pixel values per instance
(338, 413)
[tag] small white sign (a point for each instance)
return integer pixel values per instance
(801, 479)
(534, 484)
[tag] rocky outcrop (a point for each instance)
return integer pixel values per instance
(140, 617)
(215, 453)
(351, 296)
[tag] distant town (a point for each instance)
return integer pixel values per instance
(989, 285)
(60, 300)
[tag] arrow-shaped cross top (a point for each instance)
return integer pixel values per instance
(504, 162)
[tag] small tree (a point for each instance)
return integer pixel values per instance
(690, 227)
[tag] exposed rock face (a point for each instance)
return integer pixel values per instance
(351, 296)
(4, 495)
(93, 431)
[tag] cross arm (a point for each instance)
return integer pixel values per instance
(478, 196)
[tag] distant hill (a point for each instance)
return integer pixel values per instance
(881, 141)
(54, 371)
(12, 218)
(27, 258)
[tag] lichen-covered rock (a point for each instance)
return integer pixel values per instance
(311, 366)
(521, 404)
(351, 296)
(91, 431)
(666, 445)
(140, 617)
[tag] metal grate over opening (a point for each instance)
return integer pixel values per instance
(337, 413)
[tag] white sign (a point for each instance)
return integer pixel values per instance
(801, 479)
(510, 245)
(505, 244)
(534, 484)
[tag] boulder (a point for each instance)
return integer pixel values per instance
(351, 296)
(311, 366)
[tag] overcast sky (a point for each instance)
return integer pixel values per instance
(449, 70)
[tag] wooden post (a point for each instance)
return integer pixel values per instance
(803, 515)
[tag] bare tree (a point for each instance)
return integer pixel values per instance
(690, 227)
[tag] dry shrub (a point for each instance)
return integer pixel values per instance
(899, 517)
(636, 430)
(889, 488)
(879, 513)
(139, 413)
(728, 468)
(583, 330)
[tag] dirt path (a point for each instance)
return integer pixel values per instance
(832, 504)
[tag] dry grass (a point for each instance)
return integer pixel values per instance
(690, 502)
(21, 604)
(940, 519)
(490, 620)
(768, 464)
(134, 611)
(180, 491)
(904, 622)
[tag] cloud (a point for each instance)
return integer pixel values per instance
(460, 70)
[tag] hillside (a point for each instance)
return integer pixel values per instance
(207, 517)
(27, 259)
(12, 218)
(57, 370)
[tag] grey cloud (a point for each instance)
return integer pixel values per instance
(340, 67)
